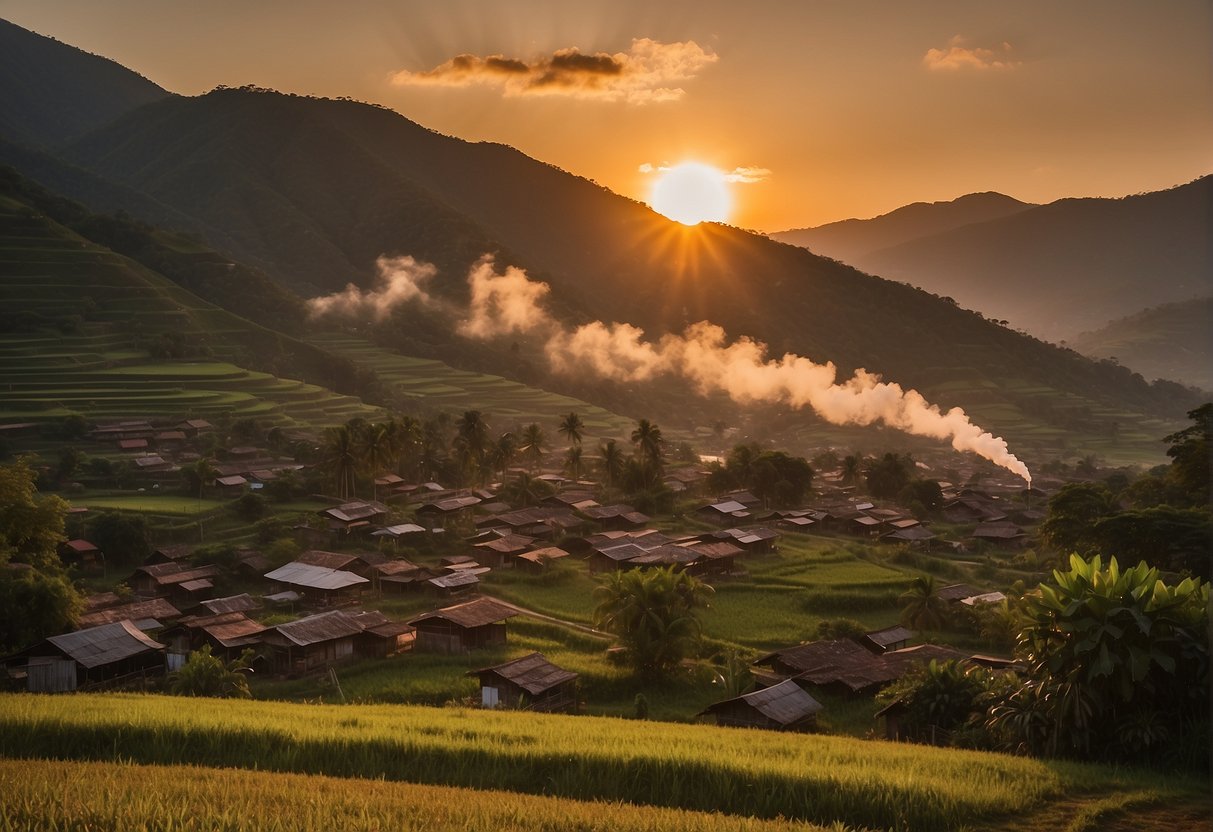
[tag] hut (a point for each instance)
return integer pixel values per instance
(92, 657)
(313, 642)
(782, 707)
(146, 615)
(463, 627)
(82, 553)
(890, 638)
(530, 683)
(320, 583)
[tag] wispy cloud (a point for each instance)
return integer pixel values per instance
(743, 175)
(957, 56)
(646, 73)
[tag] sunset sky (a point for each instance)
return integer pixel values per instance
(817, 110)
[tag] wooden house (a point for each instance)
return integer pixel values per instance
(354, 515)
(530, 683)
(178, 553)
(382, 637)
(399, 575)
(318, 583)
(782, 707)
(146, 615)
(92, 656)
(458, 582)
(82, 553)
(312, 643)
(724, 512)
(463, 627)
(180, 580)
(538, 560)
(229, 634)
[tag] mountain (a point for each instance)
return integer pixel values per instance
(53, 92)
(1067, 267)
(312, 191)
(1172, 341)
(851, 240)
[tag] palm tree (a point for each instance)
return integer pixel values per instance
(852, 466)
(503, 452)
(647, 439)
(405, 438)
(525, 490)
(611, 462)
(532, 444)
(572, 462)
(571, 427)
(923, 609)
(653, 614)
(341, 458)
(375, 451)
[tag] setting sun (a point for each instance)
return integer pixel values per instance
(691, 193)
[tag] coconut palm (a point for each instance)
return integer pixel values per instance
(375, 451)
(533, 441)
(503, 452)
(647, 439)
(405, 437)
(923, 609)
(572, 462)
(471, 443)
(341, 458)
(852, 467)
(653, 613)
(610, 462)
(571, 427)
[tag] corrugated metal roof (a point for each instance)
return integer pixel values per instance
(464, 577)
(785, 703)
(233, 603)
(533, 673)
(238, 633)
(890, 635)
(155, 608)
(106, 644)
(475, 613)
(329, 560)
(327, 626)
(314, 577)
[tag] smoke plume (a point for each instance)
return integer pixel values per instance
(509, 303)
(398, 280)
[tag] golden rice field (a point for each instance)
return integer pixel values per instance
(765, 775)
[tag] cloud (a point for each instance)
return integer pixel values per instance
(398, 280)
(646, 73)
(738, 175)
(960, 57)
(747, 175)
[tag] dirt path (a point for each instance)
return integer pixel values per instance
(554, 620)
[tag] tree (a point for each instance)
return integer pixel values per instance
(472, 442)
(852, 467)
(1072, 514)
(611, 463)
(207, 675)
(375, 451)
(1178, 539)
(648, 441)
(195, 477)
(926, 493)
(533, 442)
(923, 609)
(341, 458)
(34, 605)
(1190, 454)
(1117, 663)
(653, 613)
(572, 462)
(938, 696)
(122, 537)
(31, 525)
(571, 427)
(781, 480)
(525, 490)
(887, 476)
(503, 452)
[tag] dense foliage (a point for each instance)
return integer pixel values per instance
(653, 613)
(204, 674)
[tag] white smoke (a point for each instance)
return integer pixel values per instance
(509, 303)
(502, 304)
(398, 280)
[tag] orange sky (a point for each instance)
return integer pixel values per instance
(833, 109)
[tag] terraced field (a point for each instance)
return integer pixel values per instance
(442, 387)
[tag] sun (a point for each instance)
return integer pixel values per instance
(691, 193)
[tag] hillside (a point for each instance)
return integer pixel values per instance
(1066, 267)
(53, 92)
(1170, 341)
(314, 190)
(114, 319)
(851, 240)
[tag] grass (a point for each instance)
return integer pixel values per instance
(701, 768)
(52, 795)
(149, 503)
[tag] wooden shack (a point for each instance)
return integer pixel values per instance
(782, 707)
(313, 642)
(91, 657)
(530, 683)
(463, 627)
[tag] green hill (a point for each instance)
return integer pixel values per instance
(1172, 341)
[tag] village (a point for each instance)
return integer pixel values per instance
(428, 550)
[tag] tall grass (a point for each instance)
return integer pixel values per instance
(101, 797)
(702, 768)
